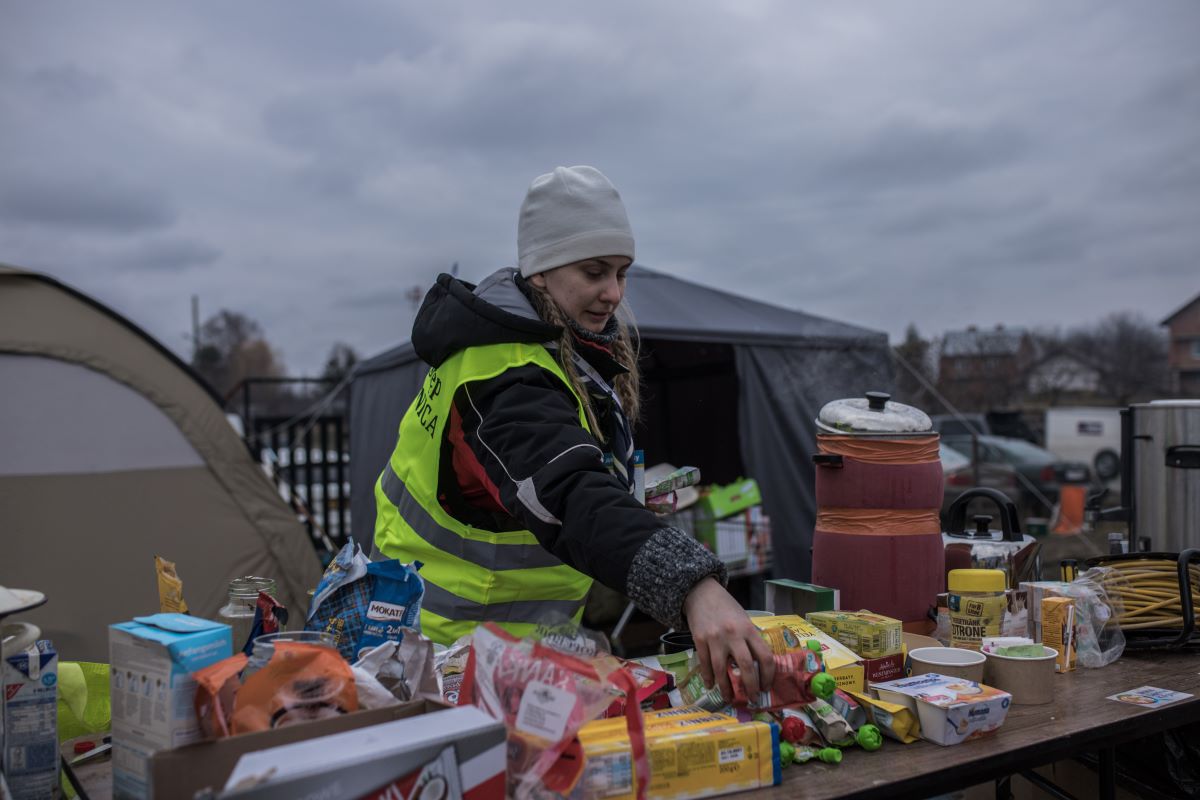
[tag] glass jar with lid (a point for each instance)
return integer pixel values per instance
(238, 613)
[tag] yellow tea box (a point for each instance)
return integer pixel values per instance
(869, 635)
(685, 761)
(1058, 630)
(784, 633)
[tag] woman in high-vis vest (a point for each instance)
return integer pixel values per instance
(512, 475)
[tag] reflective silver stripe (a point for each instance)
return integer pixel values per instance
(451, 606)
(494, 557)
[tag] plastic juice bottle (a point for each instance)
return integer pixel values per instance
(977, 603)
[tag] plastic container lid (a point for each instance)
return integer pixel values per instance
(875, 413)
(976, 580)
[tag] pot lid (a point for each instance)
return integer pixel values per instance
(874, 413)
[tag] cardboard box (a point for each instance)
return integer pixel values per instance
(729, 541)
(360, 761)
(183, 771)
(29, 735)
(951, 710)
(692, 758)
(869, 635)
(882, 670)
(793, 597)
(152, 690)
(851, 677)
(833, 653)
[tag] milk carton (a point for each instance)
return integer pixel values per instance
(29, 733)
(152, 689)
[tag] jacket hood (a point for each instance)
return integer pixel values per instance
(456, 315)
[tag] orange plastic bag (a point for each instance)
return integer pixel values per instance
(301, 682)
(216, 687)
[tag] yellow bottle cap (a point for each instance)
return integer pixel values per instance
(976, 580)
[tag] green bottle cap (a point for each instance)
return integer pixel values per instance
(830, 755)
(869, 738)
(823, 685)
(786, 753)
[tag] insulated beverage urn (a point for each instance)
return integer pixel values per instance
(878, 538)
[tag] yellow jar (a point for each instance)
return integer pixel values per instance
(977, 602)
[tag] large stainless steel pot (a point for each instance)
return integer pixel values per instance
(1165, 443)
(982, 548)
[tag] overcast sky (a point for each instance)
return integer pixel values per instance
(942, 163)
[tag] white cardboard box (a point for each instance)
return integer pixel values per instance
(152, 690)
(29, 733)
(356, 762)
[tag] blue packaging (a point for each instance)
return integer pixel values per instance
(395, 603)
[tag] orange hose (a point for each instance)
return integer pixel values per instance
(881, 451)
(877, 521)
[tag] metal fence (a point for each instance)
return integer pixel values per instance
(309, 462)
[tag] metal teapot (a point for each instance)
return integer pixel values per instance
(1007, 549)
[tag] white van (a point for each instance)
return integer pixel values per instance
(1088, 434)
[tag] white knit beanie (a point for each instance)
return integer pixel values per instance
(569, 215)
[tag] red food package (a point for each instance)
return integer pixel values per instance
(652, 688)
(544, 697)
(799, 678)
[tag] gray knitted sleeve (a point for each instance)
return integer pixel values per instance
(665, 569)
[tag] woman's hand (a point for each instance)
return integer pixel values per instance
(723, 633)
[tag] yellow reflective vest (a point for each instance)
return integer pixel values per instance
(471, 575)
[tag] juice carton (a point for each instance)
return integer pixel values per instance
(1058, 630)
(29, 737)
(152, 689)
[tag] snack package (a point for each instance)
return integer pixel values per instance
(849, 708)
(544, 697)
(339, 604)
(270, 616)
(832, 726)
(798, 728)
(799, 678)
(870, 635)
(653, 686)
(893, 720)
(449, 664)
(301, 682)
(216, 687)
(170, 587)
(1058, 631)
(395, 605)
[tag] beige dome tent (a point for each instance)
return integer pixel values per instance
(112, 451)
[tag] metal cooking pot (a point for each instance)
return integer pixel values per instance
(1007, 549)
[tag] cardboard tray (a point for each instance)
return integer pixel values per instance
(183, 771)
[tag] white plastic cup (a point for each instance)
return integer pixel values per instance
(953, 661)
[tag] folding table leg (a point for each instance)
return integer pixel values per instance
(1107, 773)
(1004, 788)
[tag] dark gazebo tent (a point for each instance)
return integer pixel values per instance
(732, 386)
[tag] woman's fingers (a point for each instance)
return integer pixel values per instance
(706, 667)
(766, 661)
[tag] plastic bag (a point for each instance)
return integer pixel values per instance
(544, 697)
(301, 682)
(1098, 636)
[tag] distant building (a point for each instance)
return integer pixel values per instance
(1183, 357)
(984, 368)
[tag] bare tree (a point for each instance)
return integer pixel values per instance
(1128, 354)
(341, 359)
(914, 374)
(232, 347)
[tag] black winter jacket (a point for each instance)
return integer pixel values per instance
(524, 424)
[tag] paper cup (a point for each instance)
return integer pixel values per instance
(948, 661)
(1030, 681)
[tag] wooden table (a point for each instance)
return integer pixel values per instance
(1079, 720)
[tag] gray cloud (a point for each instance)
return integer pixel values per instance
(931, 161)
(101, 202)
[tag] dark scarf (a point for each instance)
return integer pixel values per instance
(604, 339)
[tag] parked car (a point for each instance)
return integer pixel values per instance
(958, 475)
(1039, 472)
(960, 424)
(1088, 434)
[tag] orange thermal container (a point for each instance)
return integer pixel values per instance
(879, 487)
